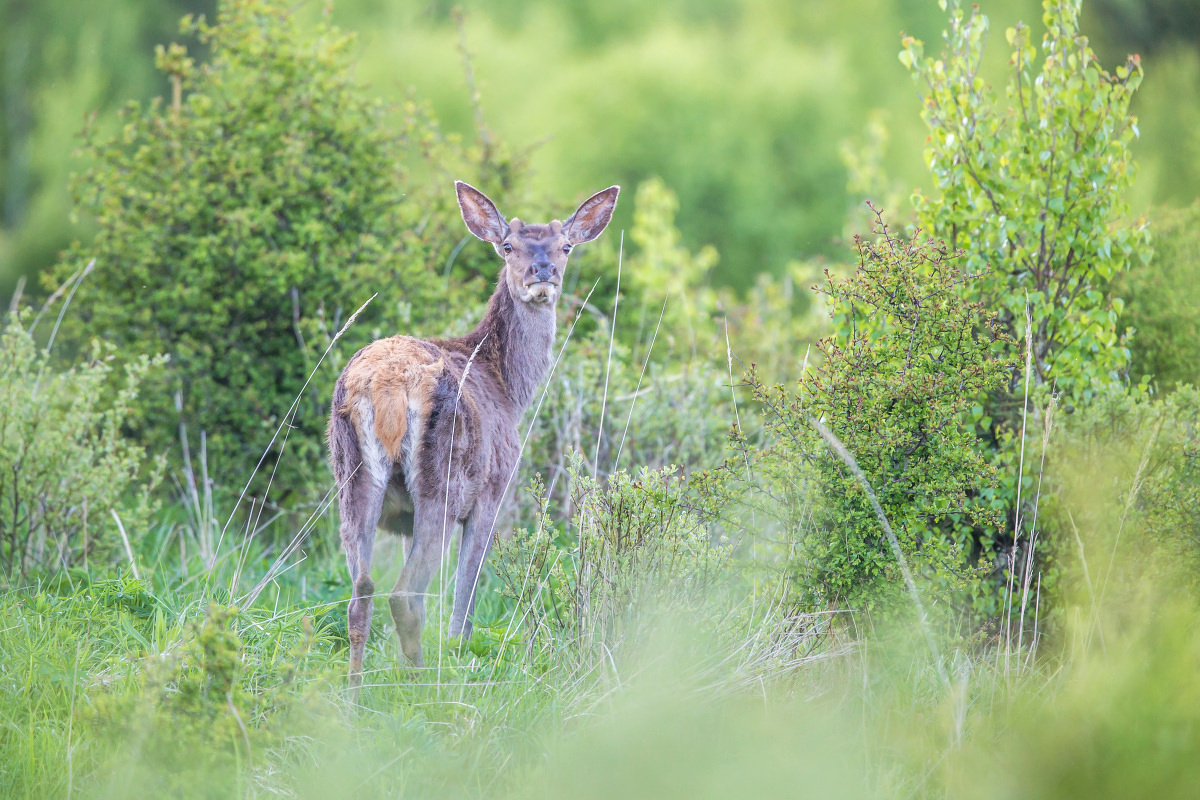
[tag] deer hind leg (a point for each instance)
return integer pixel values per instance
(359, 514)
(360, 502)
(430, 541)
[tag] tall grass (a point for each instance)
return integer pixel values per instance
(701, 706)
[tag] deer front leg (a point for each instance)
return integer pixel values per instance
(476, 543)
(430, 540)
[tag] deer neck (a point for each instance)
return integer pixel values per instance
(521, 340)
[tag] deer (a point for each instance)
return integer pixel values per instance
(423, 432)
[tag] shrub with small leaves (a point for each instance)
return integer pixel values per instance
(67, 472)
(894, 385)
(198, 720)
(640, 544)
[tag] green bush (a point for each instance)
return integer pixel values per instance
(243, 222)
(1164, 302)
(65, 467)
(668, 413)
(894, 385)
(1128, 473)
(204, 716)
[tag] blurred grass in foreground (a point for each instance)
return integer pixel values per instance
(103, 694)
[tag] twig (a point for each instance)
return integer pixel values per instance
(14, 304)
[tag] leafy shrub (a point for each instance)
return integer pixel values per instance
(241, 224)
(894, 386)
(1164, 302)
(196, 723)
(1129, 476)
(668, 413)
(1035, 188)
(640, 545)
(65, 467)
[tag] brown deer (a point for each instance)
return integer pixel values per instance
(423, 433)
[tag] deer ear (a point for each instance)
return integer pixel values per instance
(480, 214)
(592, 217)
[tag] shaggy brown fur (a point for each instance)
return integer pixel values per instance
(423, 434)
(392, 374)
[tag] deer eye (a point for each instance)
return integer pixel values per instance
(566, 248)
(507, 247)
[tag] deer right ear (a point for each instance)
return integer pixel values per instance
(481, 215)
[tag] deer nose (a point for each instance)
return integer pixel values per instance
(543, 271)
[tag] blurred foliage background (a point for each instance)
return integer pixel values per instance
(228, 206)
(739, 106)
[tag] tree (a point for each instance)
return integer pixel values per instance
(1033, 192)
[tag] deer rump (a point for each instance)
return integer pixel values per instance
(393, 409)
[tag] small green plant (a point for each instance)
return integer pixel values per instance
(196, 726)
(894, 385)
(69, 478)
(640, 545)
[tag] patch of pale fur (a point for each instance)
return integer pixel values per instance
(410, 448)
(545, 294)
(374, 457)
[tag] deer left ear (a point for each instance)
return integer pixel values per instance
(592, 217)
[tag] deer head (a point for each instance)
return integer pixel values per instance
(535, 256)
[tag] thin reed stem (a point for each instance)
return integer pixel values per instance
(612, 338)
(848, 458)
(641, 375)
